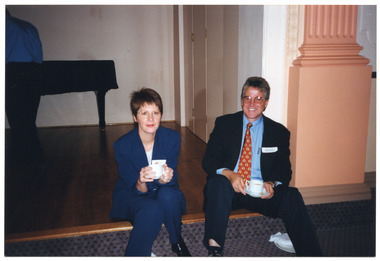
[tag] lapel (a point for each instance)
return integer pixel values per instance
(267, 135)
(157, 146)
(236, 130)
(266, 160)
(138, 152)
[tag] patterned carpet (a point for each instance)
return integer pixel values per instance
(344, 229)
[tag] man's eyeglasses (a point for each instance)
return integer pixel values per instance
(153, 114)
(257, 100)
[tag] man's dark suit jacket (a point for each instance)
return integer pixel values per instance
(223, 148)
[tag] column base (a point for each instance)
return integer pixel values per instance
(335, 193)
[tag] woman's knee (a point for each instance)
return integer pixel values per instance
(170, 196)
(168, 193)
(150, 212)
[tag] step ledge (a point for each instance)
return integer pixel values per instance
(311, 195)
(335, 193)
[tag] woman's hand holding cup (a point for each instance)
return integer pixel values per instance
(167, 174)
(146, 175)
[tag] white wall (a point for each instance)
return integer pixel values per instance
(138, 38)
(366, 37)
(370, 163)
(273, 59)
(251, 19)
(366, 32)
(262, 35)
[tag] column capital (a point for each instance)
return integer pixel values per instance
(330, 37)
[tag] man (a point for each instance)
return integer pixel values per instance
(269, 149)
(23, 82)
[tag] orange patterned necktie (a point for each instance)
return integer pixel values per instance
(244, 169)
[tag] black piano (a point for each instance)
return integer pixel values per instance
(98, 76)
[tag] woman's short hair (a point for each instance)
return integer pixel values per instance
(257, 82)
(142, 96)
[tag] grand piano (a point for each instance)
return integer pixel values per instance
(98, 76)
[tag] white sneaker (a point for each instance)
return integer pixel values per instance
(283, 242)
(153, 254)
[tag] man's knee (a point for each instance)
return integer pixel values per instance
(294, 195)
(292, 201)
(216, 183)
(217, 189)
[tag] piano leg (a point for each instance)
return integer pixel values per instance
(100, 99)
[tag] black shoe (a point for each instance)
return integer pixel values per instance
(180, 249)
(215, 251)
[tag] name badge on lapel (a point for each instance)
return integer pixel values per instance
(269, 149)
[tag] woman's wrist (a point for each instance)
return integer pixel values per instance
(139, 182)
(141, 186)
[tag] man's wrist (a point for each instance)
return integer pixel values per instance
(229, 174)
(219, 171)
(273, 183)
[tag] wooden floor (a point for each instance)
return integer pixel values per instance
(70, 190)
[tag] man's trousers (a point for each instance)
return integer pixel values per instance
(287, 204)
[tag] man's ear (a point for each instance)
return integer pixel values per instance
(266, 104)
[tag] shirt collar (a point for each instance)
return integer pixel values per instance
(255, 123)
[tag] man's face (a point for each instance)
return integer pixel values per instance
(253, 103)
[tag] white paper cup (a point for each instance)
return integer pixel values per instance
(158, 169)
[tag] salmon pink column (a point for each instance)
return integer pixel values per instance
(328, 107)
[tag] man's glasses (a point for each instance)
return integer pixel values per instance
(257, 100)
(153, 114)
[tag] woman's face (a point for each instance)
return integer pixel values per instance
(148, 118)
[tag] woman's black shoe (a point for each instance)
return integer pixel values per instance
(215, 251)
(180, 249)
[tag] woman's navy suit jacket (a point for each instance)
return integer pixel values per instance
(131, 158)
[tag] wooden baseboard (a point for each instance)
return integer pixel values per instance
(335, 193)
(370, 179)
(68, 232)
(104, 228)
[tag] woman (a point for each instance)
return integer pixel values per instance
(137, 196)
